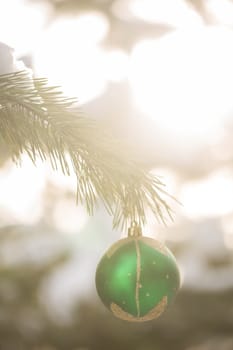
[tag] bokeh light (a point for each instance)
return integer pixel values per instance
(184, 81)
(68, 217)
(227, 224)
(21, 192)
(176, 13)
(69, 55)
(160, 73)
(22, 25)
(208, 197)
(221, 10)
(116, 65)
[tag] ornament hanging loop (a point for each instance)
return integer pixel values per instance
(134, 230)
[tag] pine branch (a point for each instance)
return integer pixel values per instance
(37, 119)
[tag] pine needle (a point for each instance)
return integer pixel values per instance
(37, 119)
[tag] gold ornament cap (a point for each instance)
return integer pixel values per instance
(134, 230)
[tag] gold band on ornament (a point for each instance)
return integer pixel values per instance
(154, 313)
(155, 244)
(117, 245)
(146, 240)
(138, 277)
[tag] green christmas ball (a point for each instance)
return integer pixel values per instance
(137, 278)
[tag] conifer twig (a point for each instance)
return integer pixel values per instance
(37, 119)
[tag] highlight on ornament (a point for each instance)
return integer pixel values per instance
(137, 278)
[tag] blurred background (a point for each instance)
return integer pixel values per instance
(158, 73)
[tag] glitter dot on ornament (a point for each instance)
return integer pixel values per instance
(140, 271)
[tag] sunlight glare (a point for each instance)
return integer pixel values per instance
(116, 67)
(227, 225)
(68, 217)
(209, 197)
(21, 190)
(90, 28)
(176, 13)
(69, 55)
(222, 10)
(21, 24)
(58, 179)
(184, 80)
